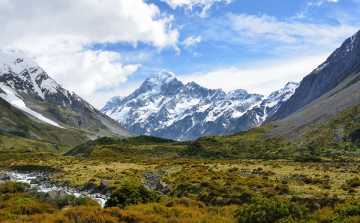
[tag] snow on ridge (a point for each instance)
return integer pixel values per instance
(322, 66)
(16, 62)
(21, 65)
(161, 77)
(156, 107)
(17, 102)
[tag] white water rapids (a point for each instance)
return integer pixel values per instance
(26, 178)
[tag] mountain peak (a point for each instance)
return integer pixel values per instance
(291, 84)
(163, 76)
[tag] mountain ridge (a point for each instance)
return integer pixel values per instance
(165, 107)
(28, 87)
(337, 67)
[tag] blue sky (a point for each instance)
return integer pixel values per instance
(101, 49)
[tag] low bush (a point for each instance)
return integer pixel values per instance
(130, 194)
(271, 210)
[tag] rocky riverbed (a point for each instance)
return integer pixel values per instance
(43, 182)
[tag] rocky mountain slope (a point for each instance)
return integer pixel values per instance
(27, 87)
(310, 120)
(165, 107)
(341, 64)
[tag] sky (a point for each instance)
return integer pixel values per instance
(104, 48)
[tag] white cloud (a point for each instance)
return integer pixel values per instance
(310, 6)
(287, 35)
(58, 34)
(88, 21)
(190, 4)
(191, 41)
(87, 71)
(261, 78)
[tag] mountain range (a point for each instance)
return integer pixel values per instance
(34, 106)
(165, 107)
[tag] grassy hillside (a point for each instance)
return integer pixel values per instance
(339, 138)
(132, 147)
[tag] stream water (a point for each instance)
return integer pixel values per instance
(42, 187)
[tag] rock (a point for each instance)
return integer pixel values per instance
(62, 193)
(35, 181)
(104, 183)
(161, 186)
(6, 177)
(66, 183)
(51, 194)
(2, 181)
(98, 195)
(89, 186)
(337, 139)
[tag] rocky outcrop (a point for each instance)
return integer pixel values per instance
(154, 183)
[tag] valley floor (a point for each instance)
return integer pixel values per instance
(193, 190)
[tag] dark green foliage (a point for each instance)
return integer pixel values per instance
(12, 187)
(350, 209)
(70, 200)
(123, 146)
(130, 194)
(271, 210)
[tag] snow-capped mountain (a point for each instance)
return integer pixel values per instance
(27, 87)
(163, 106)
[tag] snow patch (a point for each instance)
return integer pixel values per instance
(17, 102)
(322, 66)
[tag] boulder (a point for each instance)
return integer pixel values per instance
(89, 186)
(6, 177)
(66, 183)
(62, 193)
(35, 181)
(51, 194)
(104, 183)
(337, 139)
(161, 186)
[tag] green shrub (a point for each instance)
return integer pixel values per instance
(345, 211)
(130, 194)
(72, 200)
(271, 210)
(12, 187)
